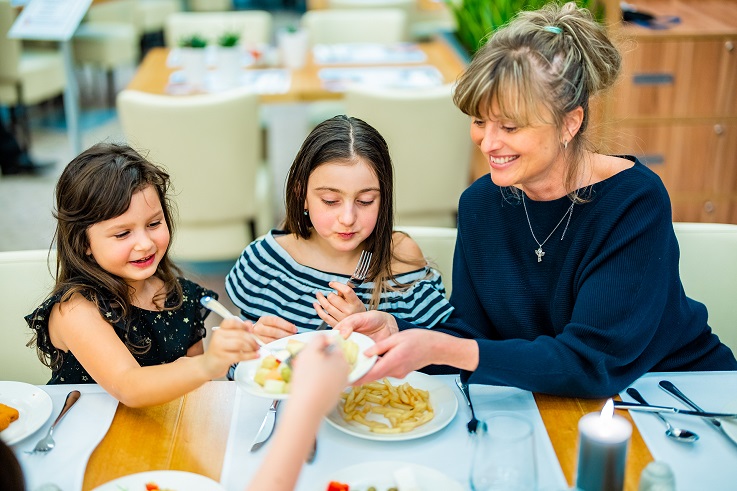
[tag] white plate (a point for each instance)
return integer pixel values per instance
(381, 476)
(246, 370)
(442, 400)
(33, 404)
(175, 480)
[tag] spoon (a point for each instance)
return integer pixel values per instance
(677, 434)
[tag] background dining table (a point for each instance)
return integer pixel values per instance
(191, 434)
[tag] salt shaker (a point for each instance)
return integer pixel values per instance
(657, 476)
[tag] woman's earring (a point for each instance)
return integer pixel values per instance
(565, 144)
(306, 212)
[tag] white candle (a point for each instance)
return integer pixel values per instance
(602, 450)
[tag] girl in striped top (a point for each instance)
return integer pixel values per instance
(339, 202)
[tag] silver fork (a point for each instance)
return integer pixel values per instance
(47, 443)
(473, 424)
(358, 277)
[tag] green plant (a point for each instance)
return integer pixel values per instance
(193, 41)
(476, 19)
(229, 39)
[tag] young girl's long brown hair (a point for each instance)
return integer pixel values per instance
(96, 186)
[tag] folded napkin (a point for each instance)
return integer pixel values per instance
(76, 437)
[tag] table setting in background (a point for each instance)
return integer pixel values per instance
(710, 462)
(75, 436)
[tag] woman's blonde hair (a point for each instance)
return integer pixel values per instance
(542, 65)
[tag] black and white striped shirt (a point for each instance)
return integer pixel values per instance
(266, 280)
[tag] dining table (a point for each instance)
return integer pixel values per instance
(191, 434)
(286, 108)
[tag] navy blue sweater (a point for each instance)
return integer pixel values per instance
(605, 304)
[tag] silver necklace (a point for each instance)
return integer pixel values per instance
(539, 251)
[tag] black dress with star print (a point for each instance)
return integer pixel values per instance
(163, 336)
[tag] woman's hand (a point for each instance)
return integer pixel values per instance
(375, 324)
(230, 343)
(319, 376)
(270, 328)
(337, 306)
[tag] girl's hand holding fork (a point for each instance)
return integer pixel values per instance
(337, 306)
(230, 344)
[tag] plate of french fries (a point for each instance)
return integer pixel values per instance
(395, 409)
(267, 377)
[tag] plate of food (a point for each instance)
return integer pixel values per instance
(395, 409)
(24, 408)
(387, 475)
(162, 481)
(267, 377)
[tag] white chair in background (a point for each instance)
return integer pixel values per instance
(26, 279)
(438, 245)
(27, 76)
(254, 26)
(211, 146)
(709, 273)
(152, 15)
(429, 145)
(383, 26)
(210, 5)
(109, 38)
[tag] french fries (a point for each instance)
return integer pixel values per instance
(403, 407)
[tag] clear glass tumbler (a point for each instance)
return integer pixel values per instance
(504, 455)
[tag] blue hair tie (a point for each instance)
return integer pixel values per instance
(553, 29)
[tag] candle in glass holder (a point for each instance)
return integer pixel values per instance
(602, 450)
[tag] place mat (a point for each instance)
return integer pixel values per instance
(367, 53)
(76, 437)
(448, 450)
(710, 462)
(265, 81)
(339, 79)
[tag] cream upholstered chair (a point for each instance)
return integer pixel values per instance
(27, 76)
(152, 14)
(210, 5)
(709, 272)
(211, 146)
(25, 281)
(429, 144)
(438, 245)
(109, 38)
(385, 26)
(254, 26)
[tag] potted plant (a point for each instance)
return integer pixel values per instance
(193, 60)
(293, 44)
(476, 19)
(229, 57)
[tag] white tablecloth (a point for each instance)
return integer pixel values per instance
(448, 450)
(709, 463)
(76, 437)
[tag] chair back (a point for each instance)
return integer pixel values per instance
(429, 145)
(211, 146)
(10, 49)
(338, 26)
(254, 26)
(26, 279)
(708, 269)
(438, 246)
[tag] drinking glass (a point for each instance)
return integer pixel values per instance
(504, 455)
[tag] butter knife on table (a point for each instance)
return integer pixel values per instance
(267, 426)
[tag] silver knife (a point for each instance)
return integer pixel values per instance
(665, 409)
(267, 426)
(670, 388)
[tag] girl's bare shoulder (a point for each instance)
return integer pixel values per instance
(407, 255)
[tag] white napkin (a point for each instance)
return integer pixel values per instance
(449, 450)
(76, 437)
(709, 463)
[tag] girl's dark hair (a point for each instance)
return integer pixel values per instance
(96, 186)
(345, 139)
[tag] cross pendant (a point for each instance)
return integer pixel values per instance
(540, 253)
